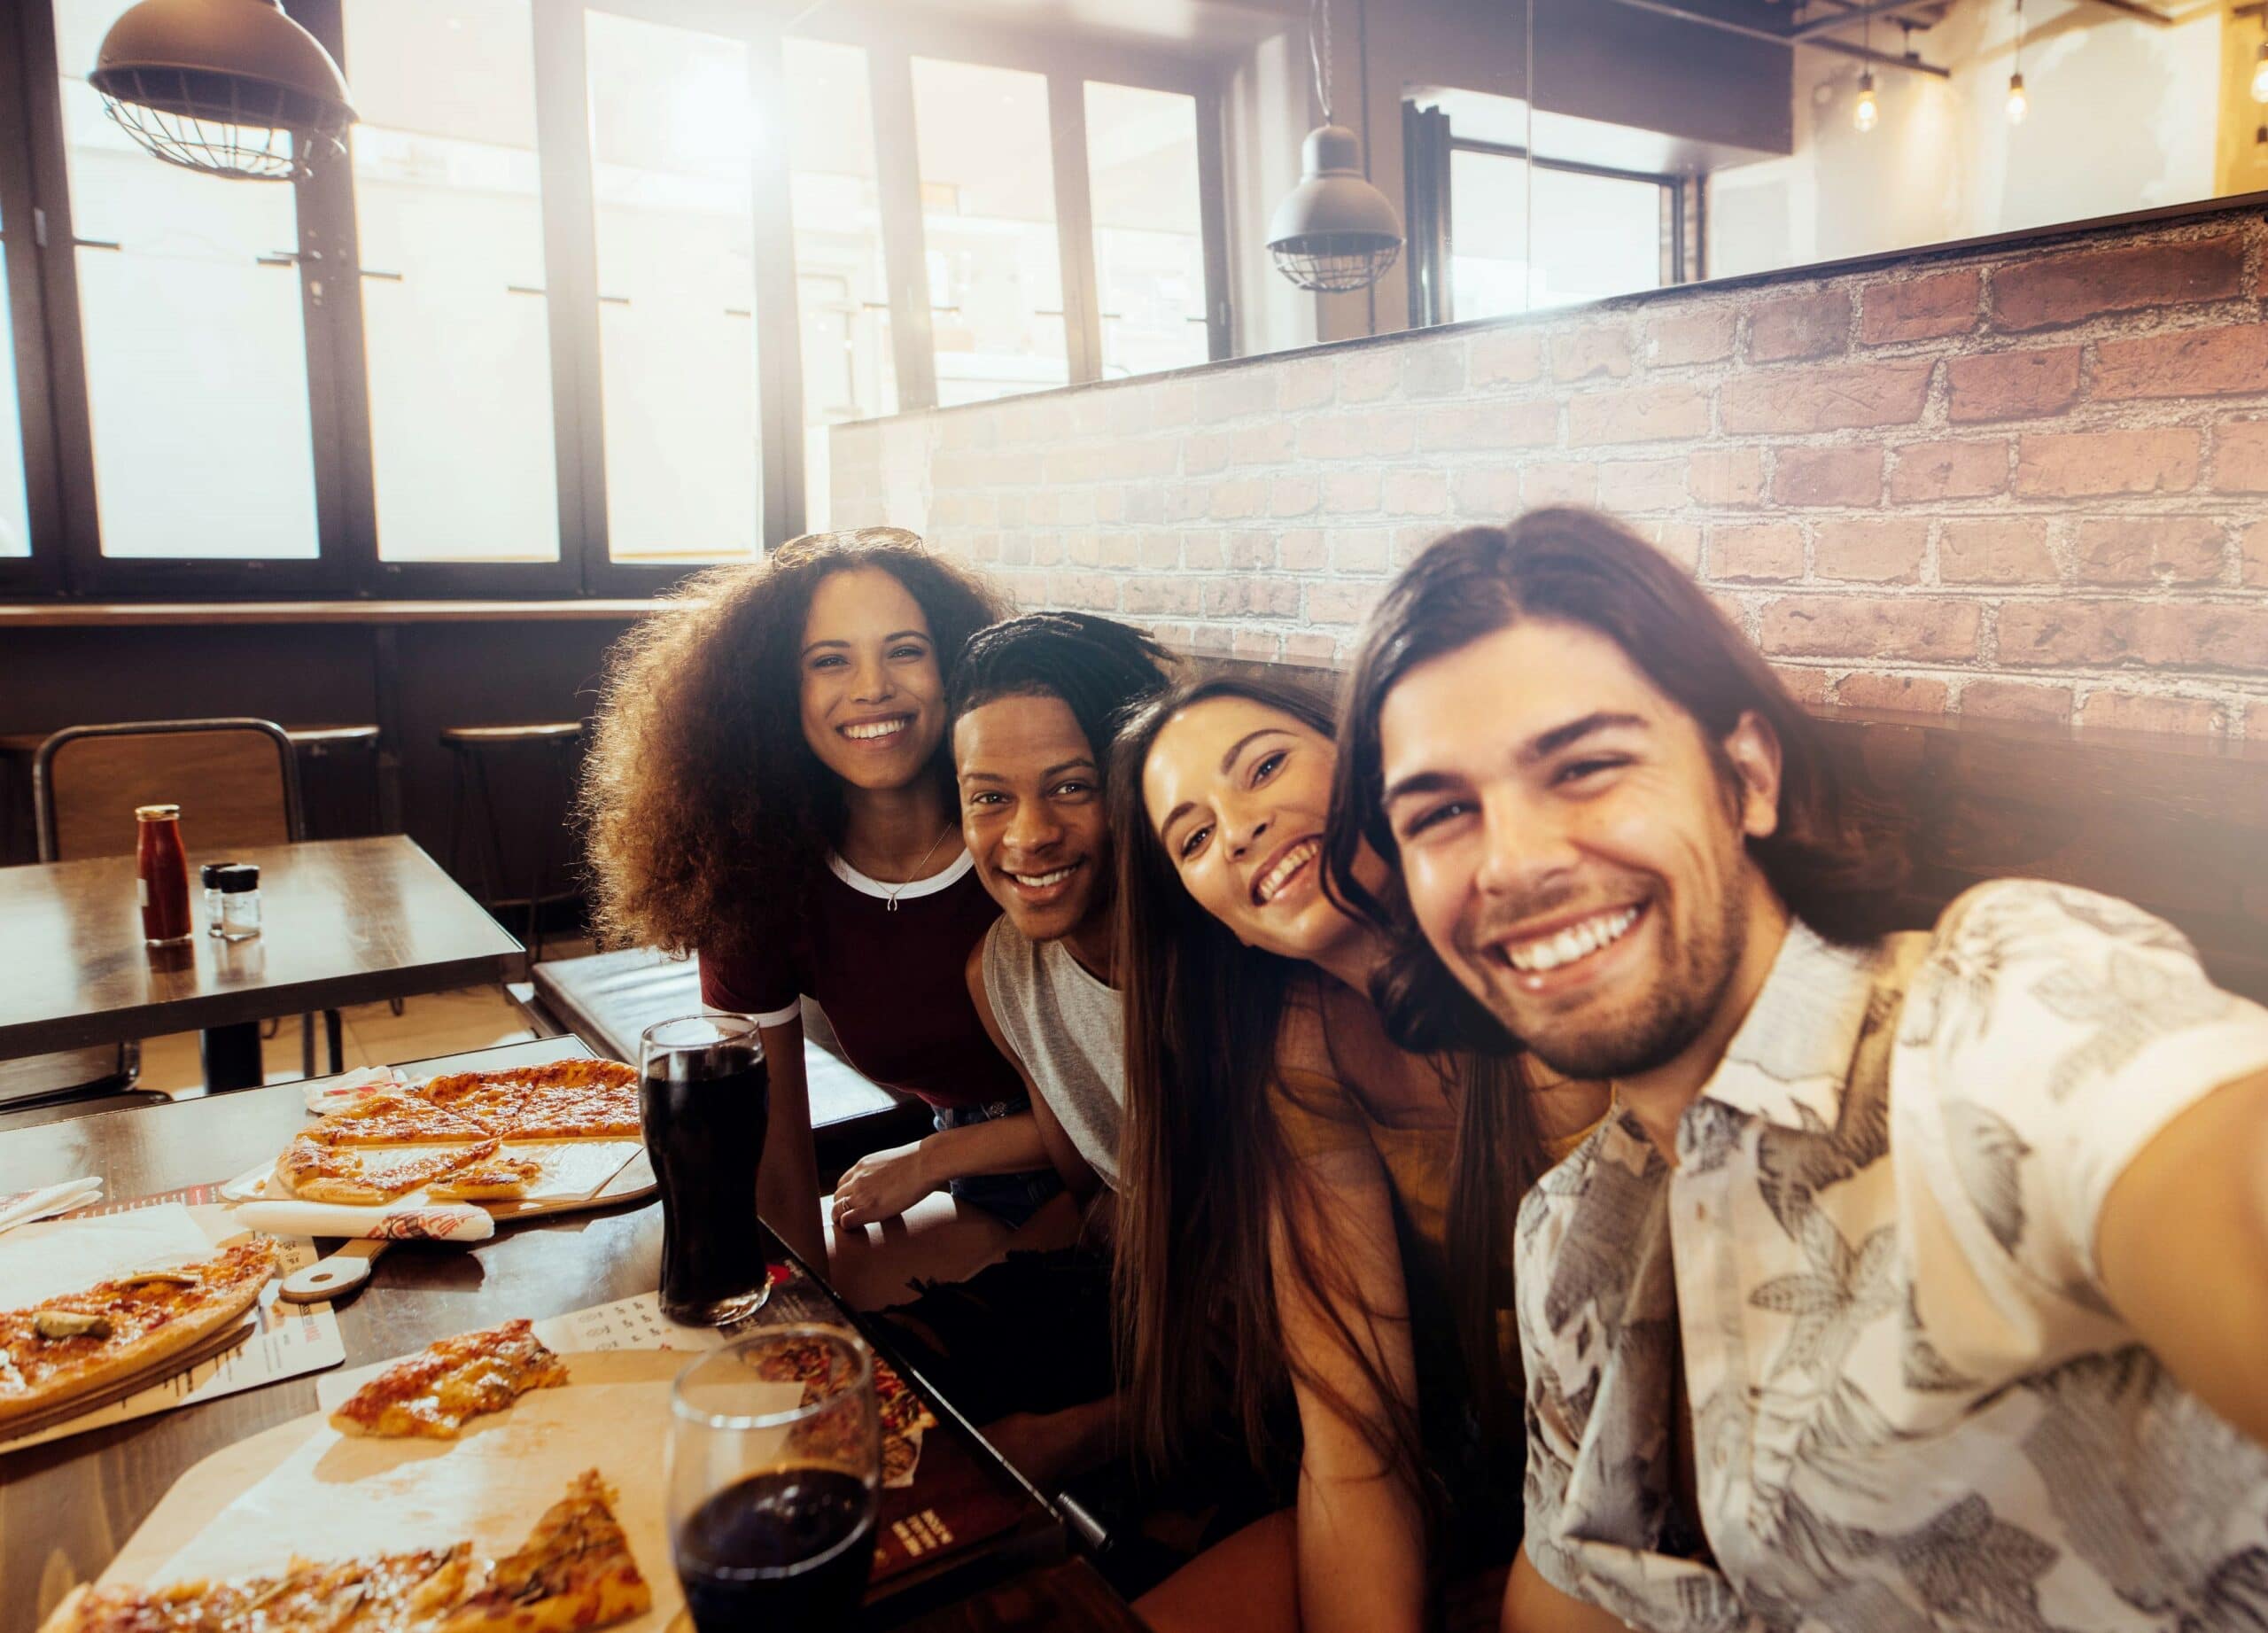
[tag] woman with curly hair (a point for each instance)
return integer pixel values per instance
(769, 787)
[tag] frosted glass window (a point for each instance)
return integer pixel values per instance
(988, 214)
(454, 322)
(673, 132)
(1149, 228)
(15, 518)
(1595, 236)
(842, 291)
(196, 355)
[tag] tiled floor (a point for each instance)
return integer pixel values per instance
(438, 1024)
(475, 1017)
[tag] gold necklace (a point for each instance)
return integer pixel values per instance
(890, 892)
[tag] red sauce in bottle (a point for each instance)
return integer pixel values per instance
(161, 876)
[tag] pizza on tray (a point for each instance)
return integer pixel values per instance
(575, 1571)
(458, 1122)
(431, 1393)
(79, 1344)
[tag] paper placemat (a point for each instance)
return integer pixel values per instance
(39, 1261)
(335, 1496)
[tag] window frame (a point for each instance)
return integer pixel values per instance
(1675, 234)
(41, 572)
(43, 309)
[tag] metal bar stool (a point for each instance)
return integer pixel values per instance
(471, 748)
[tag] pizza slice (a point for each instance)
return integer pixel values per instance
(390, 1119)
(78, 1343)
(389, 1592)
(596, 1113)
(433, 1392)
(575, 1571)
(319, 1172)
(502, 1178)
(560, 1100)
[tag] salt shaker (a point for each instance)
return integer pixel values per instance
(239, 890)
(210, 876)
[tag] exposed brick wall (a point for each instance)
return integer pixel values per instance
(2026, 484)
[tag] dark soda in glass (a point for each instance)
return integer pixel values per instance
(790, 1549)
(704, 1102)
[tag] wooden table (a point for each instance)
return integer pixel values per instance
(345, 921)
(68, 1506)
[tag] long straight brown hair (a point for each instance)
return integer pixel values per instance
(1208, 1173)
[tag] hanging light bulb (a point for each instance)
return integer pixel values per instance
(1868, 111)
(2260, 74)
(2019, 105)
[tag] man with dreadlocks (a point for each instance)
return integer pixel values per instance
(1031, 715)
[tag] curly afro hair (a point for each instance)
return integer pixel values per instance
(701, 806)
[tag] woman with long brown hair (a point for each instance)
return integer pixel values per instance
(1305, 1201)
(769, 786)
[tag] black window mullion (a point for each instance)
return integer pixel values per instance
(1075, 227)
(58, 278)
(331, 312)
(21, 307)
(570, 279)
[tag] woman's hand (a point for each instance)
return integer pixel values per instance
(882, 1185)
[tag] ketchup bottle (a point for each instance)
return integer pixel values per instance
(161, 876)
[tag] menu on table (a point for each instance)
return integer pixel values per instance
(953, 1502)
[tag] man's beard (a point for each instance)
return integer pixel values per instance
(1667, 1020)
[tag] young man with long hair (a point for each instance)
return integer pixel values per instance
(1915, 1279)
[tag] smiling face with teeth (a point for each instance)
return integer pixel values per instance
(1574, 848)
(873, 697)
(1034, 821)
(1236, 792)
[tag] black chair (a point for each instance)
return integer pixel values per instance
(557, 747)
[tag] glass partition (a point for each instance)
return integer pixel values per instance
(842, 282)
(196, 354)
(673, 130)
(1149, 228)
(988, 220)
(455, 312)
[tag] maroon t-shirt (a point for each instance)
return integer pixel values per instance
(894, 983)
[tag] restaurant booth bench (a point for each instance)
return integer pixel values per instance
(608, 999)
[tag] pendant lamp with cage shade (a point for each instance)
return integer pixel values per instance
(230, 88)
(1334, 231)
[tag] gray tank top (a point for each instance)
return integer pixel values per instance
(1063, 1025)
